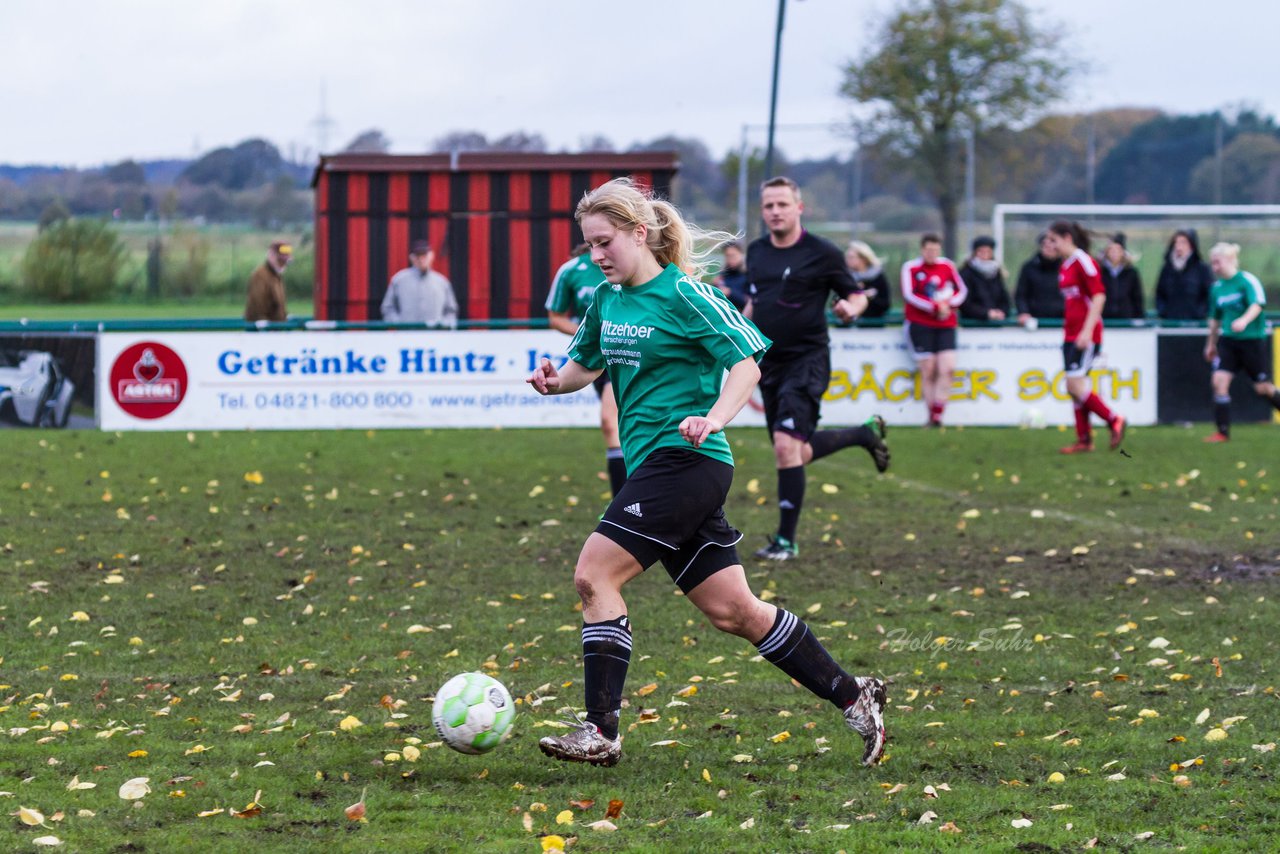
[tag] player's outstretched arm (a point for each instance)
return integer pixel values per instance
(571, 376)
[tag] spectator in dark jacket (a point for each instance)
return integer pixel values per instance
(1182, 292)
(732, 278)
(988, 297)
(1037, 294)
(868, 272)
(1122, 280)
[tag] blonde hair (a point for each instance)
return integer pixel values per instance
(865, 252)
(668, 237)
(1226, 250)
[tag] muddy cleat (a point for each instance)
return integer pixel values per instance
(865, 716)
(1216, 438)
(584, 744)
(878, 450)
(876, 422)
(1117, 431)
(1077, 448)
(778, 548)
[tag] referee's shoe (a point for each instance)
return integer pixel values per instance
(878, 450)
(778, 548)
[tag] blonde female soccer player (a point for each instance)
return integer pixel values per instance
(667, 340)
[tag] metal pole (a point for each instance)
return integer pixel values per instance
(1091, 162)
(1217, 161)
(857, 187)
(773, 98)
(743, 154)
(970, 208)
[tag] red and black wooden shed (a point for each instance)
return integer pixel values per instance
(501, 223)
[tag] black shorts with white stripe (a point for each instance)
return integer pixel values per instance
(671, 509)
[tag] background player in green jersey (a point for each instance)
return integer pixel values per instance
(1237, 335)
(667, 339)
(567, 303)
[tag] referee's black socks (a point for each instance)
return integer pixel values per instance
(790, 500)
(606, 654)
(826, 442)
(793, 649)
(1222, 413)
(617, 468)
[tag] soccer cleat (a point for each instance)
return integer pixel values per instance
(1217, 437)
(583, 744)
(1077, 448)
(865, 716)
(878, 450)
(876, 422)
(778, 548)
(1117, 430)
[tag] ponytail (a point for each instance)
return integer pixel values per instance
(670, 238)
(1077, 232)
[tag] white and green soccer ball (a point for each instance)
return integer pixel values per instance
(473, 712)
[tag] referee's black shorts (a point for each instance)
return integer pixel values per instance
(671, 509)
(792, 390)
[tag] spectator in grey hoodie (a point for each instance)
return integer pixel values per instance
(418, 294)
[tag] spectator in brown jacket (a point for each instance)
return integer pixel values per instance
(266, 285)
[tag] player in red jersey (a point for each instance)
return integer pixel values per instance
(932, 289)
(1083, 295)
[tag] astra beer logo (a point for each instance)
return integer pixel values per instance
(148, 380)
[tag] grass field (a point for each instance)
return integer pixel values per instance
(233, 253)
(215, 613)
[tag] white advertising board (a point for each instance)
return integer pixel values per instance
(395, 379)
(331, 380)
(1003, 377)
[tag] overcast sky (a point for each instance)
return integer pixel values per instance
(85, 82)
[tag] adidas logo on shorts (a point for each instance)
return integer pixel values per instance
(634, 509)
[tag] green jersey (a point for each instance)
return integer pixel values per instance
(574, 286)
(1230, 298)
(666, 345)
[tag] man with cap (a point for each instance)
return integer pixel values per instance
(988, 298)
(418, 294)
(265, 300)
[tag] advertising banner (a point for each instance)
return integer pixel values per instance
(46, 380)
(1004, 376)
(331, 380)
(393, 379)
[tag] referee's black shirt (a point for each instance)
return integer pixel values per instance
(791, 288)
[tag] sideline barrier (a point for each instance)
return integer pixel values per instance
(313, 379)
(306, 374)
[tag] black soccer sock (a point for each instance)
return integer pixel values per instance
(1275, 399)
(790, 500)
(617, 468)
(826, 442)
(1222, 413)
(793, 649)
(606, 655)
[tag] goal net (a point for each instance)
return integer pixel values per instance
(1148, 230)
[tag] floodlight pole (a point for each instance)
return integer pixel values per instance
(744, 155)
(773, 98)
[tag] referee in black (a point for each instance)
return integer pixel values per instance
(791, 277)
